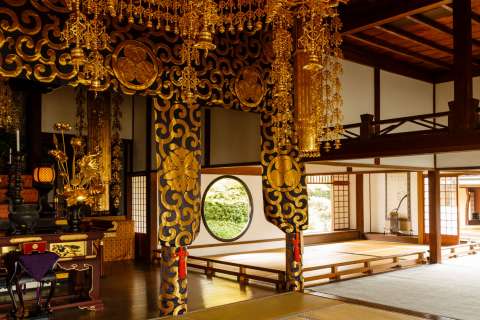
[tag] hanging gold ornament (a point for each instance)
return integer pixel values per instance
(321, 119)
(8, 113)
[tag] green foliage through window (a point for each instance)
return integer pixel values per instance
(226, 208)
(319, 207)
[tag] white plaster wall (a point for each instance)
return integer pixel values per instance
(401, 96)
(235, 136)
(259, 228)
(422, 161)
(458, 159)
(374, 202)
(357, 89)
(59, 106)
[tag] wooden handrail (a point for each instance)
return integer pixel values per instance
(238, 265)
(373, 259)
(400, 119)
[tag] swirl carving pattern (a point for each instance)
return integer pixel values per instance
(173, 289)
(177, 128)
(284, 185)
(31, 48)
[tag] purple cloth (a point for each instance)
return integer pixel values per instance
(38, 264)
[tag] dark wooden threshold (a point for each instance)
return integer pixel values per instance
(379, 306)
(309, 239)
(391, 238)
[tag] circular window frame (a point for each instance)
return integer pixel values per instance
(250, 214)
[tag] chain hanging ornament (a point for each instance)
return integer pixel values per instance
(85, 30)
(189, 79)
(8, 113)
(231, 15)
(282, 74)
(321, 120)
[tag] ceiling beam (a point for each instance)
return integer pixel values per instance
(391, 11)
(403, 144)
(400, 33)
(475, 16)
(377, 43)
(370, 58)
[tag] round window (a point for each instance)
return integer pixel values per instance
(227, 208)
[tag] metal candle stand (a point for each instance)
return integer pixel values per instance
(15, 186)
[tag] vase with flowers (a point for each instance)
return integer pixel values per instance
(81, 180)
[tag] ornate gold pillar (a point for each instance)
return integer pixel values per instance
(285, 199)
(177, 128)
(99, 136)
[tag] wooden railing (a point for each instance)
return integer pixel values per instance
(368, 124)
(328, 272)
(460, 250)
(368, 266)
(241, 271)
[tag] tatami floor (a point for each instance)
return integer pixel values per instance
(323, 254)
(295, 306)
(450, 290)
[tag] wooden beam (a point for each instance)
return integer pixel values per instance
(359, 203)
(475, 16)
(390, 11)
(463, 114)
(246, 171)
(402, 144)
(207, 140)
(421, 207)
(432, 24)
(400, 33)
(435, 237)
(376, 104)
(380, 44)
(355, 53)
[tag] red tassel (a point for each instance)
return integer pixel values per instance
(182, 263)
(296, 248)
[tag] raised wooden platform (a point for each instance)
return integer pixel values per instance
(322, 263)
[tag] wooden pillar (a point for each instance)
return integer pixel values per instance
(178, 155)
(376, 104)
(463, 115)
(421, 207)
(366, 127)
(359, 203)
(99, 135)
(435, 237)
(294, 261)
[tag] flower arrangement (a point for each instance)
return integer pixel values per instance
(82, 184)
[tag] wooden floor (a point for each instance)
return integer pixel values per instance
(323, 253)
(321, 262)
(130, 292)
(295, 306)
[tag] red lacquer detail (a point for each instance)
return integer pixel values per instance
(182, 263)
(296, 248)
